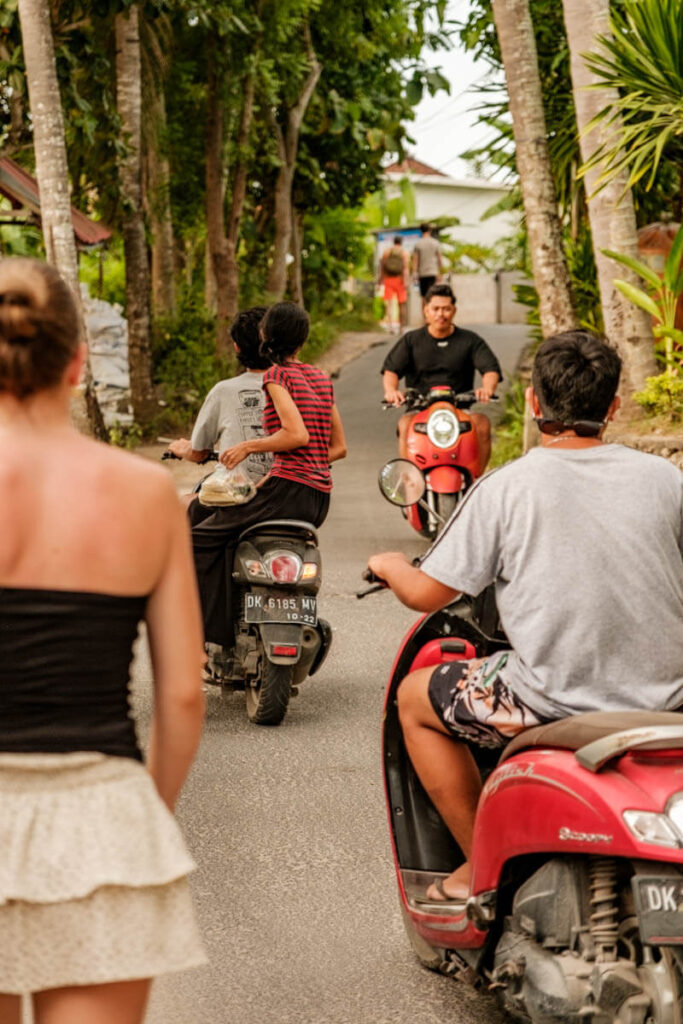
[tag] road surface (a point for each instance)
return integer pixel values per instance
(295, 885)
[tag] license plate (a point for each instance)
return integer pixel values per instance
(659, 903)
(296, 608)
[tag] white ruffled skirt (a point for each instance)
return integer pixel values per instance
(93, 874)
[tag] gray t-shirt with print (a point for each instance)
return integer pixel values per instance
(233, 412)
(585, 547)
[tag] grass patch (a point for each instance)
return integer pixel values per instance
(508, 435)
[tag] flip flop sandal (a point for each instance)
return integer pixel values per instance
(446, 900)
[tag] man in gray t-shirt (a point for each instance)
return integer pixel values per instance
(427, 263)
(233, 410)
(583, 542)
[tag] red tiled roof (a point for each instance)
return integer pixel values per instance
(22, 190)
(412, 166)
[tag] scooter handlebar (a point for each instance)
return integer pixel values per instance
(211, 457)
(378, 584)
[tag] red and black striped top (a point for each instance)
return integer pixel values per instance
(313, 395)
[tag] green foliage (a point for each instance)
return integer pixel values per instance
(125, 435)
(659, 298)
(643, 59)
(508, 435)
(335, 243)
(662, 396)
(468, 257)
(104, 272)
(185, 362)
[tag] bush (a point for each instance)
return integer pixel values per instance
(186, 365)
(508, 436)
(663, 396)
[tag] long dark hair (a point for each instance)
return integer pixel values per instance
(284, 330)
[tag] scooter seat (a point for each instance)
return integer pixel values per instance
(294, 527)
(580, 730)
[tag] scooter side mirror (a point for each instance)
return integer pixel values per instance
(401, 482)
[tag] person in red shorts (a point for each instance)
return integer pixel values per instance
(393, 275)
(304, 430)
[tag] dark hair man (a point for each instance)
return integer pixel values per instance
(584, 543)
(441, 353)
(427, 262)
(233, 409)
(392, 274)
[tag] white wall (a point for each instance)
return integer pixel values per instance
(437, 196)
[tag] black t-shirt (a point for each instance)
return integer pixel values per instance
(426, 361)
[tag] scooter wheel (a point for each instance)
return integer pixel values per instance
(268, 699)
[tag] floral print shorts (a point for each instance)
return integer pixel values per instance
(474, 703)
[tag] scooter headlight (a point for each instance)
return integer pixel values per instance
(284, 566)
(443, 428)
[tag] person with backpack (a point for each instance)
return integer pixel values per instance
(393, 275)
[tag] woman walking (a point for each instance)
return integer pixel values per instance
(93, 870)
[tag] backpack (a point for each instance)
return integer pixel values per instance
(393, 263)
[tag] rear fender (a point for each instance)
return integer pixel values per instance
(287, 634)
(542, 800)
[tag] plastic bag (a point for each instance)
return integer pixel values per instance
(226, 487)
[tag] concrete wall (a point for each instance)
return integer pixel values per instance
(482, 299)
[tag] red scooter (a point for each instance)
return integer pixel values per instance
(442, 443)
(576, 906)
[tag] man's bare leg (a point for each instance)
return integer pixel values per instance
(403, 314)
(446, 769)
(482, 425)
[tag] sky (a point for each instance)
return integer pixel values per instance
(445, 124)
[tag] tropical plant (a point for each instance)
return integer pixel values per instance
(663, 396)
(642, 58)
(659, 298)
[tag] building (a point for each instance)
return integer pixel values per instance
(438, 196)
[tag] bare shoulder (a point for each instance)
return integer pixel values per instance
(127, 473)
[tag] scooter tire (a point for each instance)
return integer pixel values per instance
(429, 957)
(268, 700)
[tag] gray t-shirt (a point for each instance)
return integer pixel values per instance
(586, 550)
(233, 412)
(427, 249)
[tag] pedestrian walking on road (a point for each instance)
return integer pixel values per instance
(94, 899)
(427, 262)
(393, 276)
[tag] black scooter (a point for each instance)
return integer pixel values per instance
(275, 577)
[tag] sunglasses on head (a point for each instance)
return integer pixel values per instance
(582, 428)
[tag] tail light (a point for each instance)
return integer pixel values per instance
(284, 650)
(284, 566)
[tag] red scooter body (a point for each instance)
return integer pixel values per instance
(568, 901)
(448, 471)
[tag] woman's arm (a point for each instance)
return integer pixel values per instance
(337, 448)
(292, 432)
(176, 646)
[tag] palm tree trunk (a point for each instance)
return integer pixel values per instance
(611, 213)
(551, 277)
(216, 238)
(53, 179)
(159, 203)
(129, 104)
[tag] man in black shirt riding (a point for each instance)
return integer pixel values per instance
(441, 353)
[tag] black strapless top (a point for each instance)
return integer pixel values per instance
(64, 671)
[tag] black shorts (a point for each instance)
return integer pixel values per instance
(425, 284)
(473, 702)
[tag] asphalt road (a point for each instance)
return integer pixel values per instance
(295, 886)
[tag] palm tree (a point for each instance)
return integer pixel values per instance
(53, 175)
(610, 209)
(641, 61)
(129, 105)
(551, 277)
